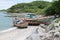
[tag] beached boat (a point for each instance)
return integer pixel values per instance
(20, 23)
(33, 19)
(29, 19)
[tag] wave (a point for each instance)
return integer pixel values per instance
(7, 30)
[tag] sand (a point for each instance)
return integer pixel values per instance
(17, 34)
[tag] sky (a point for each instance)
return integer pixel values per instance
(5, 4)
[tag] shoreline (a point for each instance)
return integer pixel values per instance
(17, 34)
(7, 30)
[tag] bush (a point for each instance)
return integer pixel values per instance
(50, 11)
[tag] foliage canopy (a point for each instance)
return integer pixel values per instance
(38, 7)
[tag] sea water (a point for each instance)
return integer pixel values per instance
(5, 22)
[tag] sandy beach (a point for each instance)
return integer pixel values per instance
(17, 34)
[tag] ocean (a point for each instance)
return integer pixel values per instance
(5, 22)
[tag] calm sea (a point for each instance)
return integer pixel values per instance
(5, 22)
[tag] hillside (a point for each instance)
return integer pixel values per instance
(33, 7)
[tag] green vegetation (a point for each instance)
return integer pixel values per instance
(54, 9)
(56, 6)
(3, 10)
(56, 21)
(38, 7)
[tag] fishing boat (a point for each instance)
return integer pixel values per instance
(29, 19)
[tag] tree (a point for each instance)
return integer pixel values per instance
(50, 11)
(56, 6)
(37, 7)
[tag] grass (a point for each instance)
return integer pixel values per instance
(57, 20)
(52, 25)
